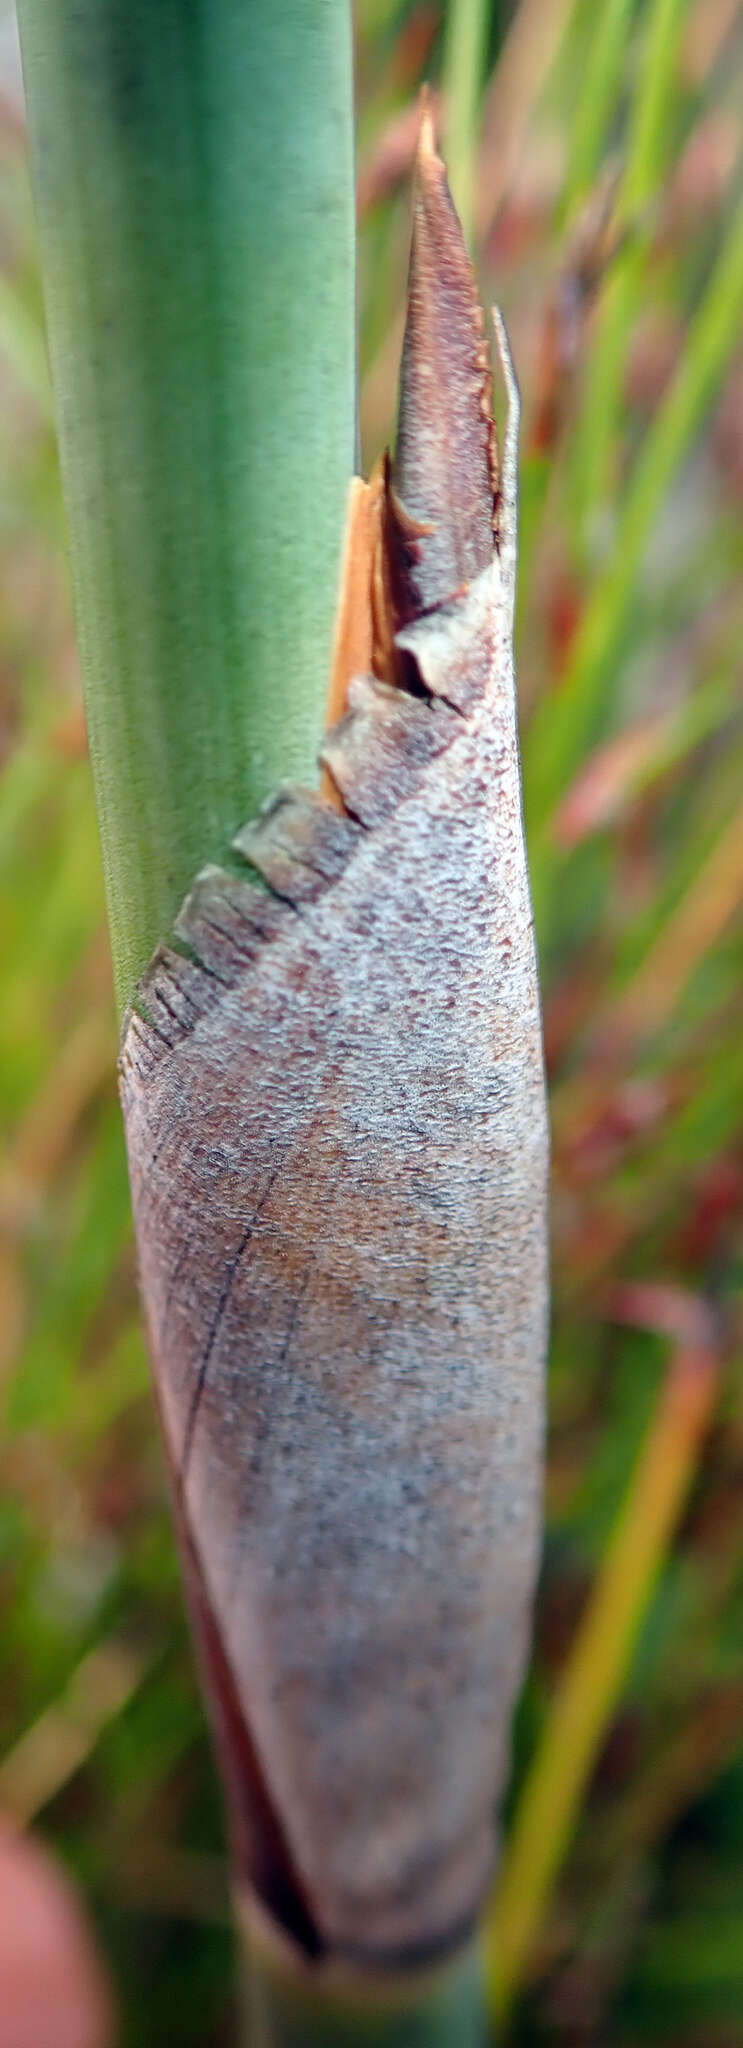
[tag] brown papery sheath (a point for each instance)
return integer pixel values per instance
(334, 1101)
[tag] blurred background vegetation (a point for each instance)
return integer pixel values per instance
(597, 155)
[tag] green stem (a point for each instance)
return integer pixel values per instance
(600, 87)
(562, 729)
(465, 48)
(293, 2004)
(597, 1666)
(649, 143)
(192, 163)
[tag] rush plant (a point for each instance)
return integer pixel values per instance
(331, 1071)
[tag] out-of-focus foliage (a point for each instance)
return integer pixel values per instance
(608, 222)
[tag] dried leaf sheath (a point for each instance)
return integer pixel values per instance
(335, 1117)
(445, 467)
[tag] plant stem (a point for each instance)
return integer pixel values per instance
(598, 1664)
(601, 84)
(293, 2004)
(465, 47)
(193, 174)
(648, 147)
(712, 335)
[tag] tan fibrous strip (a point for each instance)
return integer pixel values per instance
(362, 642)
(353, 643)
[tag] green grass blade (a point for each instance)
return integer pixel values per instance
(193, 174)
(565, 724)
(465, 48)
(597, 1666)
(601, 85)
(655, 101)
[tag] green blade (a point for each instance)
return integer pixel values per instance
(193, 174)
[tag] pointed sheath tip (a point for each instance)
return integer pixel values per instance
(444, 471)
(426, 133)
(431, 190)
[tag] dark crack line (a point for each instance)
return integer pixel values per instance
(211, 972)
(230, 939)
(217, 1321)
(280, 1360)
(294, 1312)
(181, 1021)
(156, 1030)
(183, 1256)
(282, 896)
(257, 933)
